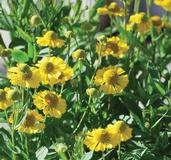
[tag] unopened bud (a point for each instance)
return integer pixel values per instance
(35, 21)
(78, 54)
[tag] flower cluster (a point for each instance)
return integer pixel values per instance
(109, 137)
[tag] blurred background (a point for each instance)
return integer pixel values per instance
(155, 10)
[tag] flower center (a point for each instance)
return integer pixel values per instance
(49, 67)
(113, 46)
(104, 137)
(2, 95)
(122, 127)
(52, 100)
(61, 76)
(110, 77)
(30, 120)
(26, 72)
(51, 35)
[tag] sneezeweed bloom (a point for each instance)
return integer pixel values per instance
(78, 54)
(50, 39)
(5, 102)
(51, 103)
(113, 46)
(139, 22)
(24, 76)
(113, 9)
(165, 4)
(33, 123)
(101, 139)
(111, 80)
(53, 70)
(14, 95)
(121, 129)
(157, 23)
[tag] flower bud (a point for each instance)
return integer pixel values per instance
(91, 92)
(78, 54)
(87, 26)
(69, 34)
(147, 125)
(35, 21)
(60, 147)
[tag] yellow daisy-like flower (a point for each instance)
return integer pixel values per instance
(53, 70)
(50, 39)
(78, 54)
(24, 76)
(113, 9)
(165, 4)
(111, 79)
(157, 23)
(113, 46)
(122, 129)
(101, 139)
(5, 102)
(51, 103)
(140, 22)
(33, 123)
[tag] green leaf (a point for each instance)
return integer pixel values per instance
(19, 56)
(87, 156)
(41, 153)
(160, 88)
(24, 35)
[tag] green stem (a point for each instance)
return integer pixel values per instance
(119, 151)
(81, 120)
(136, 6)
(68, 52)
(26, 147)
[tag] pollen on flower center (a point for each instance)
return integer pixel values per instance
(30, 120)
(2, 95)
(104, 137)
(51, 35)
(51, 99)
(110, 77)
(26, 72)
(113, 46)
(49, 67)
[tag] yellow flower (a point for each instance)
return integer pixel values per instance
(121, 129)
(111, 79)
(5, 102)
(50, 39)
(113, 9)
(12, 116)
(113, 46)
(33, 123)
(157, 23)
(78, 54)
(166, 4)
(53, 70)
(101, 139)
(24, 76)
(102, 11)
(140, 22)
(51, 103)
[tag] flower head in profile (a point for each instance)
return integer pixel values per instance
(113, 46)
(5, 102)
(111, 79)
(165, 4)
(33, 123)
(122, 129)
(157, 23)
(51, 103)
(24, 76)
(50, 39)
(53, 70)
(112, 9)
(78, 54)
(101, 139)
(139, 22)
